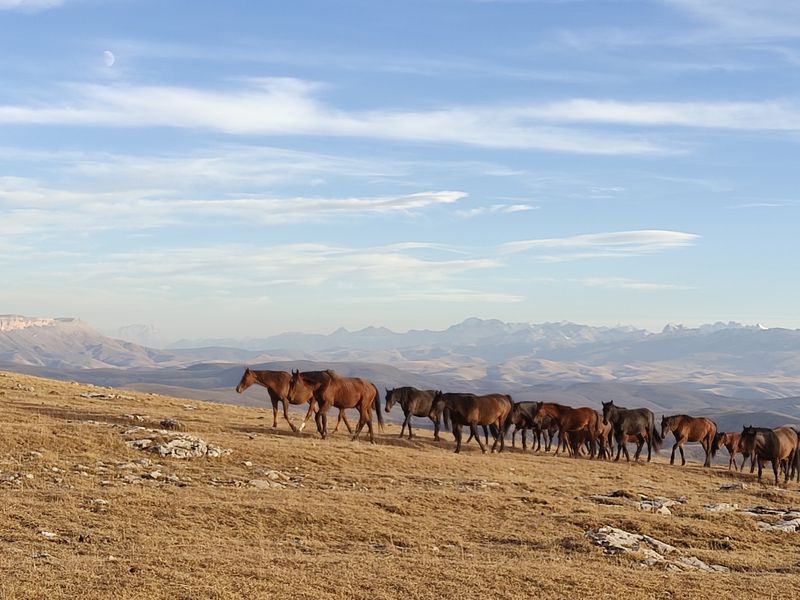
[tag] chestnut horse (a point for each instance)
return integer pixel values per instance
(522, 418)
(327, 389)
(277, 384)
(570, 420)
(733, 442)
(639, 422)
(779, 446)
(472, 410)
(690, 429)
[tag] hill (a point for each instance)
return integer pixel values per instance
(87, 514)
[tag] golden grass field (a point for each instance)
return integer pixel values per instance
(390, 520)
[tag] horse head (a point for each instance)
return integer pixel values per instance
(248, 378)
(389, 402)
(608, 411)
(666, 426)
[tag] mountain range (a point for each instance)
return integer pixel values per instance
(727, 370)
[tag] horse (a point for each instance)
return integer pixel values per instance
(472, 410)
(328, 389)
(690, 429)
(277, 384)
(575, 440)
(415, 403)
(522, 417)
(639, 422)
(779, 446)
(732, 441)
(569, 420)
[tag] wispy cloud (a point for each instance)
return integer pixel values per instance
(30, 207)
(495, 209)
(601, 245)
(29, 5)
(291, 107)
(765, 19)
(630, 284)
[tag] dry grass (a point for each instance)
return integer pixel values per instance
(370, 521)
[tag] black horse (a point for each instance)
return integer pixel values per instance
(639, 422)
(415, 403)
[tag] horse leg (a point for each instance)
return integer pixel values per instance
(683, 458)
(457, 435)
(286, 414)
(311, 404)
(775, 462)
(524, 441)
(486, 434)
(639, 446)
(672, 456)
(514, 436)
(478, 437)
(406, 423)
(436, 426)
(274, 412)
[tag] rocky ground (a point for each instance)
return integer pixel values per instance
(108, 493)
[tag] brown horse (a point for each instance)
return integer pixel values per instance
(328, 389)
(689, 429)
(733, 442)
(779, 446)
(570, 421)
(472, 410)
(277, 384)
(415, 403)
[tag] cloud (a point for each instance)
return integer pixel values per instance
(495, 209)
(768, 115)
(290, 107)
(601, 245)
(29, 5)
(629, 284)
(764, 19)
(31, 207)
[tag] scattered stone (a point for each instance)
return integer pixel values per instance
(736, 485)
(718, 507)
(142, 444)
(49, 535)
(173, 444)
(29, 476)
(135, 417)
(41, 556)
(171, 424)
(653, 551)
(35, 454)
(154, 474)
(247, 463)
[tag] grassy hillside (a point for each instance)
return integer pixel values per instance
(86, 515)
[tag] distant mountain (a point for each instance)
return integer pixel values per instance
(729, 359)
(70, 343)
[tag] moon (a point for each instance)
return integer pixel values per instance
(109, 58)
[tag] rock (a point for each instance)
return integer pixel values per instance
(142, 444)
(171, 424)
(721, 507)
(692, 563)
(247, 463)
(35, 454)
(154, 474)
(737, 485)
(49, 535)
(261, 484)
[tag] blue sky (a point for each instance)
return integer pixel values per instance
(240, 168)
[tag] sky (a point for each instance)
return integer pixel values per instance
(241, 169)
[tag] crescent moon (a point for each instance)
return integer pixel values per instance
(109, 58)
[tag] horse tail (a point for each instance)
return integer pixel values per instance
(655, 437)
(509, 417)
(377, 407)
(714, 440)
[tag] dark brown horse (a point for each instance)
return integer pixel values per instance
(639, 422)
(689, 429)
(472, 410)
(277, 384)
(570, 420)
(778, 446)
(328, 389)
(415, 403)
(733, 443)
(522, 418)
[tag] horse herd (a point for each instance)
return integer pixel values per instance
(579, 430)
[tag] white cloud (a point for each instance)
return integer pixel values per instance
(495, 209)
(289, 107)
(601, 245)
(762, 19)
(29, 5)
(629, 284)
